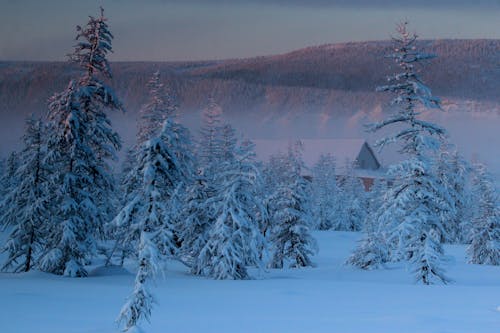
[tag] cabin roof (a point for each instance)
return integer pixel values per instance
(343, 150)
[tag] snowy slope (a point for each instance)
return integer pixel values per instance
(329, 298)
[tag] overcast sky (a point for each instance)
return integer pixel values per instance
(216, 29)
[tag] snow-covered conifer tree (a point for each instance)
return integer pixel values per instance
(72, 231)
(325, 192)
(234, 239)
(290, 215)
(180, 145)
(129, 181)
(197, 216)
(160, 106)
(158, 114)
(452, 172)
(485, 233)
(149, 213)
(209, 152)
(152, 115)
(274, 173)
(96, 98)
(374, 199)
(413, 203)
(26, 207)
(256, 190)
(372, 251)
(352, 201)
(80, 143)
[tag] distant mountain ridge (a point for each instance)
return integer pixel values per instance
(464, 69)
(321, 82)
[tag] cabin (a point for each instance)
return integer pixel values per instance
(345, 151)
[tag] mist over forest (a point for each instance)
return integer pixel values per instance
(325, 91)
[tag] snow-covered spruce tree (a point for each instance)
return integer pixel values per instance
(80, 142)
(485, 234)
(325, 192)
(152, 115)
(180, 145)
(126, 237)
(290, 215)
(352, 201)
(412, 206)
(72, 230)
(96, 98)
(129, 181)
(374, 199)
(257, 189)
(148, 211)
(234, 239)
(209, 148)
(372, 251)
(160, 106)
(453, 172)
(27, 205)
(197, 216)
(273, 174)
(139, 305)
(157, 114)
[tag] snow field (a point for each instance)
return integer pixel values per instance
(329, 298)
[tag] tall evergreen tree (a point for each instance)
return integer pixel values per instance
(291, 216)
(325, 192)
(149, 213)
(209, 151)
(452, 172)
(372, 251)
(160, 106)
(485, 236)
(234, 239)
(96, 98)
(412, 205)
(274, 173)
(27, 205)
(80, 143)
(352, 199)
(158, 114)
(197, 216)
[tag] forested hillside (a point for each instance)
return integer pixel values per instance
(338, 78)
(320, 86)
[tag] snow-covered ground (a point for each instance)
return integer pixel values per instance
(329, 298)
